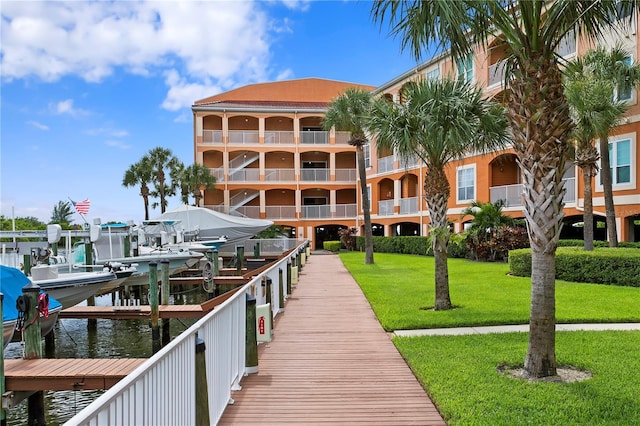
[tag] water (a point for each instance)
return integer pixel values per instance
(110, 339)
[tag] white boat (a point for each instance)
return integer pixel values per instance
(70, 288)
(169, 234)
(12, 281)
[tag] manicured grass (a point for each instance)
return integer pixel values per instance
(459, 374)
(400, 287)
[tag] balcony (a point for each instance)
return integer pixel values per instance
(346, 175)
(218, 174)
(324, 211)
(385, 164)
(243, 137)
(314, 137)
(385, 208)
(346, 210)
(512, 194)
(245, 175)
(315, 175)
(278, 137)
(281, 212)
(252, 212)
(408, 205)
(496, 73)
(279, 175)
(343, 138)
(211, 137)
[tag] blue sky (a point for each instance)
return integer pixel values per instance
(88, 88)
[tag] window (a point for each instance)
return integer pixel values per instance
(433, 74)
(466, 189)
(366, 148)
(567, 45)
(465, 68)
(623, 91)
(622, 156)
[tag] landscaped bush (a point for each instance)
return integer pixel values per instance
(615, 266)
(333, 246)
(496, 245)
(597, 243)
(415, 245)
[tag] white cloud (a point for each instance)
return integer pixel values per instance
(117, 144)
(38, 125)
(108, 131)
(209, 44)
(66, 107)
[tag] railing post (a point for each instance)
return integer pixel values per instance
(202, 390)
(165, 293)
(289, 277)
(281, 289)
(153, 301)
(269, 301)
(251, 336)
(26, 264)
(88, 253)
(256, 250)
(216, 266)
(239, 259)
(33, 346)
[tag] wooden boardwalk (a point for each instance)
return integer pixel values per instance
(330, 362)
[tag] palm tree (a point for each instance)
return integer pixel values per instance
(530, 31)
(616, 73)
(140, 174)
(160, 159)
(440, 121)
(348, 112)
(594, 110)
(192, 180)
(61, 213)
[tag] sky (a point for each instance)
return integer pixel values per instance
(89, 87)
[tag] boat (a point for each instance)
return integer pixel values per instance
(70, 288)
(12, 281)
(205, 224)
(169, 234)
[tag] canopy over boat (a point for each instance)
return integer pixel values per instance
(210, 224)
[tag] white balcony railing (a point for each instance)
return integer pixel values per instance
(346, 210)
(315, 175)
(314, 137)
(385, 208)
(496, 73)
(512, 194)
(385, 164)
(252, 212)
(218, 174)
(316, 212)
(343, 138)
(346, 175)
(278, 137)
(211, 136)
(279, 175)
(280, 212)
(243, 136)
(245, 175)
(408, 205)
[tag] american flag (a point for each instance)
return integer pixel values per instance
(82, 207)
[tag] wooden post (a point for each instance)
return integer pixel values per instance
(88, 253)
(33, 349)
(239, 259)
(165, 293)
(202, 391)
(251, 336)
(256, 250)
(269, 299)
(281, 289)
(92, 323)
(153, 301)
(289, 277)
(127, 245)
(216, 265)
(26, 263)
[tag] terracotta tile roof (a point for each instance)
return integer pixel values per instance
(308, 92)
(266, 104)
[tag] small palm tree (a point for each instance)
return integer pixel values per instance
(440, 121)
(192, 180)
(349, 112)
(61, 213)
(488, 222)
(161, 159)
(140, 174)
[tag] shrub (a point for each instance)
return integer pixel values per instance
(496, 245)
(348, 238)
(333, 246)
(615, 266)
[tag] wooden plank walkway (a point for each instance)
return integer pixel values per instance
(330, 362)
(66, 374)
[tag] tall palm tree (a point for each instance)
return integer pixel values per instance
(61, 213)
(615, 71)
(349, 112)
(161, 159)
(530, 31)
(191, 180)
(594, 110)
(439, 121)
(140, 174)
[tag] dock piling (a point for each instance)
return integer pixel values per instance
(166, 330)
(281, 290)
(153, 301)
(202, 396)
(239, 259)
(289, 277)
(33, 347)
(251, 337)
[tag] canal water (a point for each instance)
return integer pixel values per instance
(110, 339)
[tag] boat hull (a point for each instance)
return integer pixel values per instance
(71, 289)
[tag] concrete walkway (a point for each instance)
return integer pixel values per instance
(513, 329)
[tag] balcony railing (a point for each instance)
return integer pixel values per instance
(385, 208)
(496, 73)
(279, 175)
(278, 137)
(243, 136)
(245, 175)
(408, 205)
(385, 164)
(315, 175)
(512, 194)
(252, 212)
(346, 210)
(211, 136)
(218, 174)
(280, 212)
(343, 138)
(567, 45)
(346, 175)
(316, 212)
(314, 137)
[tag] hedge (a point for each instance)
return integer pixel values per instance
(333, 246)
(415, 245)
(614, 266)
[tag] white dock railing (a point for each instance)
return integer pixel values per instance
(162, 391)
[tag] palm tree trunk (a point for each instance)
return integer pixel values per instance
(437, 190)
(607, 186)
(587, 216)
(366, 209)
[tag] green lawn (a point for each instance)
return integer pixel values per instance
(400, 289)
(460, 372)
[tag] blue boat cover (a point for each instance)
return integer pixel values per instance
(11, 282)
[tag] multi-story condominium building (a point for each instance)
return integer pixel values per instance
(272, 159)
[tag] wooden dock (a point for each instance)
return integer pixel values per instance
(330, 362)
(66, 374)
